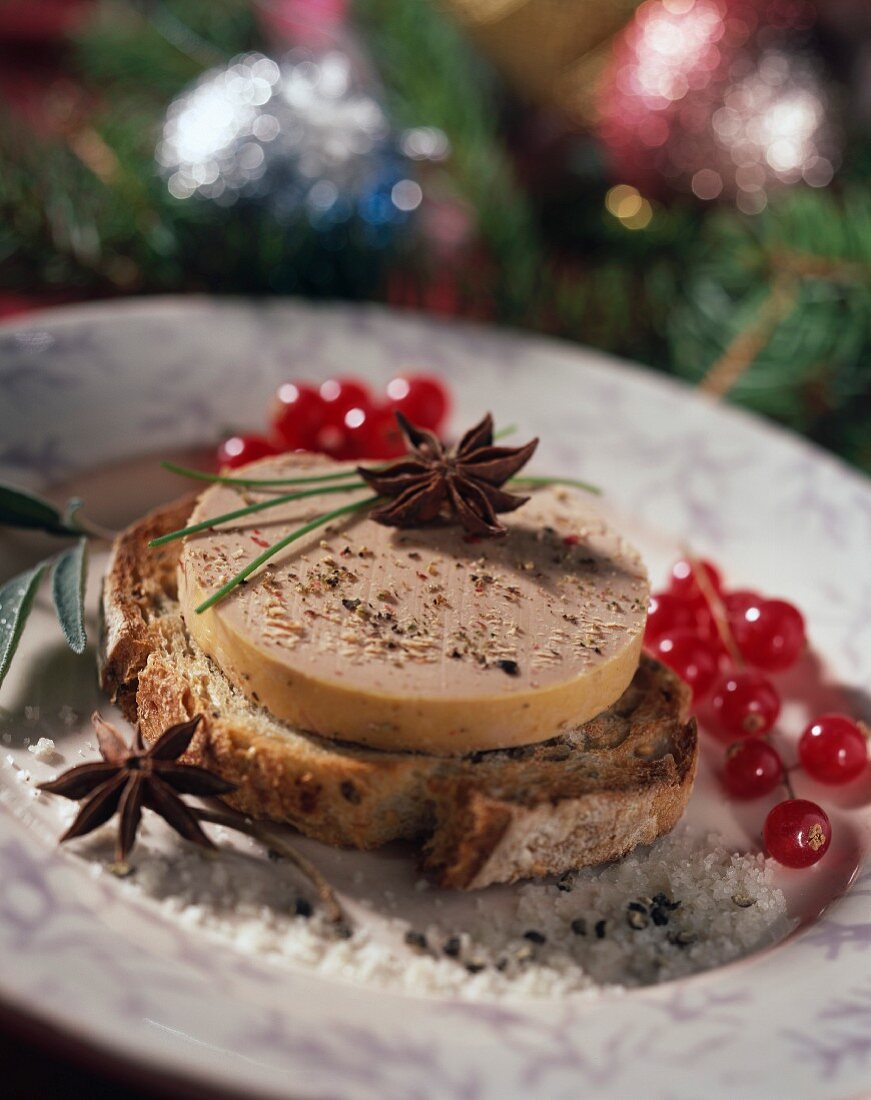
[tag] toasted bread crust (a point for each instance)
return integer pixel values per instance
(582, 798)
(139, 580)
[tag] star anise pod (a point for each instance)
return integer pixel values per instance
(132, 776)
(462, 483)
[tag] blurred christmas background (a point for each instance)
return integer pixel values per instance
(683, 182)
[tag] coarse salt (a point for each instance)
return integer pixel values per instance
(43, 750)
(530, 948)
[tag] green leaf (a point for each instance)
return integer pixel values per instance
(16, 599)
(70, 517)
(22, 509)
(68, 591)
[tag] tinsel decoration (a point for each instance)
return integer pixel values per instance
(720, 98)
(771, 311)
(302, 137)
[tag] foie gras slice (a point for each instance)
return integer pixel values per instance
(422, 640)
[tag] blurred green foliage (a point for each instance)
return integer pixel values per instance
(692, 290)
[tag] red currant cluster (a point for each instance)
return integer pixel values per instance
(723, 644)
(343, 419)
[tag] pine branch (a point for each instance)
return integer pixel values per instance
(434, 78)
(779, 304)
(777, 311)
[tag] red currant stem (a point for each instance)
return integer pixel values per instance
(277, 547)
(716, 607)
(206, 525)
(509, 429)
(787, 782)
(865, 728)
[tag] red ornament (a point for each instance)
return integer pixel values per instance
(13, 305)
(715, 97)
(311, 23)
(32, 21)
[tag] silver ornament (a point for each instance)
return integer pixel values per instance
(304, 134)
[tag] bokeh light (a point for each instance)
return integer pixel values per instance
(707, 96)
(629, 206)
(303, 135)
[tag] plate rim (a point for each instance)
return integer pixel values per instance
(106, 311)
(179, 303)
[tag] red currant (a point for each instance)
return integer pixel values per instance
(360, 434)
(833, 749)
(665, 613)
(753, 769)
(738, 602)
(683, 579)
(239, 450)
(340, 395)
(297, 416)
(423, 398)
(336, 441)
(745, 704)
(694, 659)
(770, 634)
(383, 438)
(797, 833)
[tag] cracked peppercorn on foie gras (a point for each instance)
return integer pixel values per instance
(368, 683)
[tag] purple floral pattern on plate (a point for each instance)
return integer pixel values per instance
(89, 386)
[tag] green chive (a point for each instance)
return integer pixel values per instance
(277, 547)
(350, 486)
(227, 479)
(221, 479)
(544, 481)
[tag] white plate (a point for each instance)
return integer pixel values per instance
(96, 388)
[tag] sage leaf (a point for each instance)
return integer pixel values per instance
(77, 523)
(19, 508)
(68, 591)
(16, 599)
(71, 512)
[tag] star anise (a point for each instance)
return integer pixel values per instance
(461, 483)
(132, 776)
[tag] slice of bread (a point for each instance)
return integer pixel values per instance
(591, 795)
